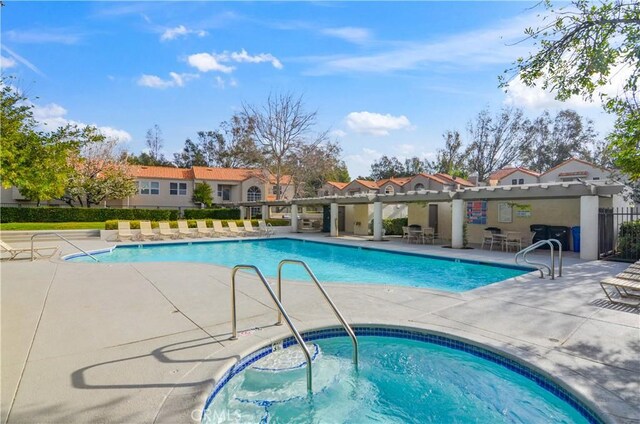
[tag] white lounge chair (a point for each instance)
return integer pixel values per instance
(15, 251)
(249, 230)
(124, 231)
(202, 229)
(220, 230)
(233, 229)
(167, 231)
(146, 232)
(183, 229)
(265, 229)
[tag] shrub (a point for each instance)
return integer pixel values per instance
(392, 227)
(47, 214)
(135, 225)
(220, 213)
(629, 240)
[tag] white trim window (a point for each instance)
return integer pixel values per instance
(254, 194)
(178, 189)
(418, 186)
(149, 187)
(224, 192)
(389, 189)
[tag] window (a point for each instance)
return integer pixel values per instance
(352, 192)
(389, 189)
(254, 194)
(224, 192)
(514, 181)
(521, 181)
(176, 189)
(326, 192)
(274, 190)
(419, 186)
(596, 178)
(149, 187)
(255, 212)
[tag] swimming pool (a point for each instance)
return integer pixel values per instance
(330, 262)
(403, 376)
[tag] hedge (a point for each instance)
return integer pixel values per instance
(629, 240)
(220, 213)
(47, 214)
(392, 227)
(135, 225)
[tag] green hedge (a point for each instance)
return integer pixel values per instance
(629, 240)
(220, 213)
(392, 227)
(46, 214)
(135, 225)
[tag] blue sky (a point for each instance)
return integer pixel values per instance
(384, 77)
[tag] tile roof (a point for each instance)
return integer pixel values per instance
(505, 172)
(454, 180)
(400, 181)
(167, 172)
(432, 177)
(584, 162)
(337, 184)
(368, 184)
(225, 174)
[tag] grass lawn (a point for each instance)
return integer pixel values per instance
(32, 226)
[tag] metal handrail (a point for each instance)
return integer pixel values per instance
(344, 323)
(62, 238)
(281, 310)
(536, 245)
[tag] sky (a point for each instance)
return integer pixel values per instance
(385, 78)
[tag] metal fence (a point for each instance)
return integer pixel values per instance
(619, 234)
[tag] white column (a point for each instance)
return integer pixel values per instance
(245, 212)
(589, 227)
(377, 221)
(294, 218)
(265, 212)
(457, 223)
(334, 220)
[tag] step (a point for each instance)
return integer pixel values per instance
(25, 236)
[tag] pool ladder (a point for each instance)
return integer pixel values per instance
(542, 266)
(282, 313)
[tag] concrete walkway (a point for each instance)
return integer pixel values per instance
(144, 342)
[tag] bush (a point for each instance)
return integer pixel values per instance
(46, 214)
(135, 225)
(392, 227)
(629, 240)
(221, 213)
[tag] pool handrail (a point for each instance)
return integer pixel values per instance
(281, 310)
(541, 266)
(344, 323)
(61, 238)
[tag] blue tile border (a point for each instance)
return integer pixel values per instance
(422, 336)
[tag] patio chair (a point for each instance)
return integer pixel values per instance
(220, 230)
(15, 251)
(202, 229)
(124, 231)
(627, 291)
(405, 234)
(233, 229)
(428, 235)
(167, 231)
(487, 238)
(248, 228)
(146, 232)
(184, 230)
(513, 239)
(265, 229)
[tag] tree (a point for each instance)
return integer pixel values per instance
(312, 166)
(552, 141)
(450, 159)
(100, 172)
(191, 155)
(339, 173)
(579, 49)
(281, 128)
(33, 161)
(495, 142)
(387, 167)
(202, 194)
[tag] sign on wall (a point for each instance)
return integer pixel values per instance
(477, 212)
(523, 211)
(505, 212)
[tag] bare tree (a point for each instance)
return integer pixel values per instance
(281, 127)
(495, 141)
(155, 143)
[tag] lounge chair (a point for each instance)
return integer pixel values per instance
(628, 291)
(202, 229)
(146, 232)
(233, 229)
(15, 251)
(183, 229)
(265, 229)
(220, 230)
(249, 230)
(167, 231)
(124, 231)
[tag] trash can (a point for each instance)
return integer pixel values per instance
(575, 235)
(562, 235)
(541, 233)
(494, 230)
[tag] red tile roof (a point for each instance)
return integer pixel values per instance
(454, 180)
(165, 172)
(584, 162)
(433, 177)
(337, 184)
(400, 181)
(225, 174)
(505, 172)
(368, 184)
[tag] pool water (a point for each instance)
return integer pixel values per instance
(398, 381)
(330, 262)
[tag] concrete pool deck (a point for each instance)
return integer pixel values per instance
(143, 342)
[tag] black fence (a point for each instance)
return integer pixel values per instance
(619, 234)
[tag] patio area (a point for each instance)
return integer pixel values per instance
(144, 342)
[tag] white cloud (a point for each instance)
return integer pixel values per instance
(7, 62)
(52, 116)
(15, 56)
(205, 62)
(337, 133)
(154, 81)
(375, 123)
(180, 31)
(359, 164)
(351, 34)
(222, 83)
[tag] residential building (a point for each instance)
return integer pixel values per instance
(513, 175)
